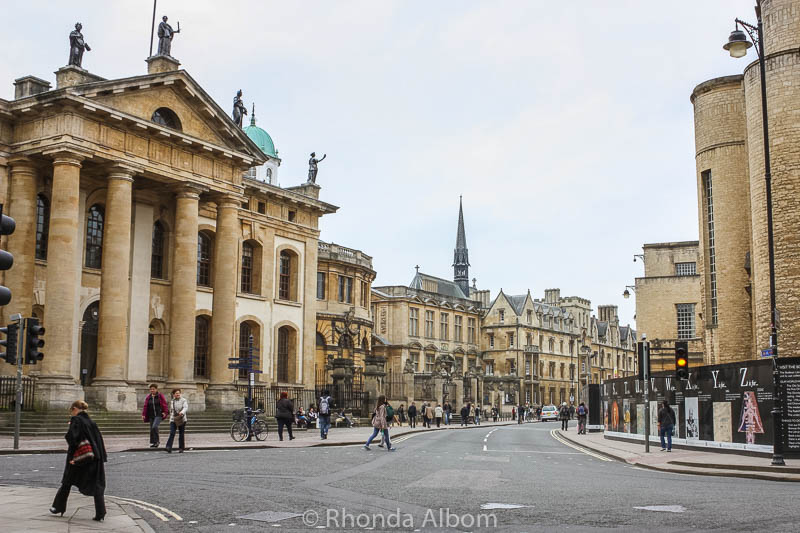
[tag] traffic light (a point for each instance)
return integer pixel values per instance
(640, 347)
(10, 343)
(33, 332)
(681, 360)
(7, 227)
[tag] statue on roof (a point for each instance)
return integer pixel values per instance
(76, 46)
(312, 167)
(239, 110)
(165, 36)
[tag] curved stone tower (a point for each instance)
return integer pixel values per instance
(724, 215)
(782, 40)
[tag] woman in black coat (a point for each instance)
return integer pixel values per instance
(284, 414)
(89, 475)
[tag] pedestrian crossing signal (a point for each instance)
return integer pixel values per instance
(682, 360)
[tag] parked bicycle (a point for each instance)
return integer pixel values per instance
(241, 430)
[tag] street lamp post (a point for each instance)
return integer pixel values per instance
(737, 46)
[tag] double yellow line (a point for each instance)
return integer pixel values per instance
(562, 440)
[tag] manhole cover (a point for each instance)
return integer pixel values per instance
(269, 516)
(664, 508)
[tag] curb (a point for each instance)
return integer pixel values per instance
(319, 444)
(722, 470)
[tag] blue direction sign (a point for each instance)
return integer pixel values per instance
(766, 352)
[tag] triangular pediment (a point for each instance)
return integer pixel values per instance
(200, 116)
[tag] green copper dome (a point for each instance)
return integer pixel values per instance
(260, 137)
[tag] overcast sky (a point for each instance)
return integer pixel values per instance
(566, 126)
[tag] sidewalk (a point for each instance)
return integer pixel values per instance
(708, 463)
(23, 509)
(223, 441)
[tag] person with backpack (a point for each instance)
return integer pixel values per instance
(666, 423)
(325, 404)
(381, 415)
(582, 419)
(563, 415)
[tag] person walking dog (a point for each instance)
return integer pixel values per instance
(154, 411)
(178, 408)
(84, 468)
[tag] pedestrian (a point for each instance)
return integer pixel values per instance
(412, 415)
(438, 413)
(284, 414)
(429, 414)
(477, 415)
(563, 414)
(379, 424)
(520, 414)
(513, 413)
(471, 415)
(582, 419)
(539, 413)
(464, 414)
(154, 411)
(666, 423)
(448, 412)
(571, 411)
(177, 420)
(495, 413)
(325, 405)
(401, 415)
(84, 466)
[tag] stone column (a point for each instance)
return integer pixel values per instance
(221, 392)
(57, 387)
(184, 297)
(21, 206)
(374, 374)
(110, 389)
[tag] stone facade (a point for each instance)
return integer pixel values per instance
(729, 151)
(670, 283)
(147, 254)
(344, 316)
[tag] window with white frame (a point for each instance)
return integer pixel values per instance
(686, 269)
(413, 321)
(685, 314)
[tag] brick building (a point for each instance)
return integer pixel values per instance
(668, 301)
(733, 266)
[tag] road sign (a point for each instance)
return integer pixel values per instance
(767, 352)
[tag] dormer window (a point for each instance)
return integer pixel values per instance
(166, 117)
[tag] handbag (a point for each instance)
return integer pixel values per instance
(178, 419)
(83, 453)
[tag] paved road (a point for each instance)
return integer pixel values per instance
(557, 486)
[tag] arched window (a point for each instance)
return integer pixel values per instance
(166, 117)
(287, 276)
(94, 237)
(283, 355)
(247, 268)
(269, 175)
(204, 252)
(157, 257)
(245, 331)
(202, 342)
(42, 226)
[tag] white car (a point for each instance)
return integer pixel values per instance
(549, 412)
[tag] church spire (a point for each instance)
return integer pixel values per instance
(461, 254)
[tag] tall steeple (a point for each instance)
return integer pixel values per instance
(461, 254)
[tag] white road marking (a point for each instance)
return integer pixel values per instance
(154, 506)
(559, 438)
(158, 515)
(663, 508)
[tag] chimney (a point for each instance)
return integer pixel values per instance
(29, 86)
(552, 296)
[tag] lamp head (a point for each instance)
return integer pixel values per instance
(737, 44)
(626, 294)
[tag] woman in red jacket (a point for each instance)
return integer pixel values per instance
(154, 411)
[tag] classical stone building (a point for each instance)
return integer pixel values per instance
(668, 302)
(142, 245)
(733, 266)
(613, 347)
(344, 316)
